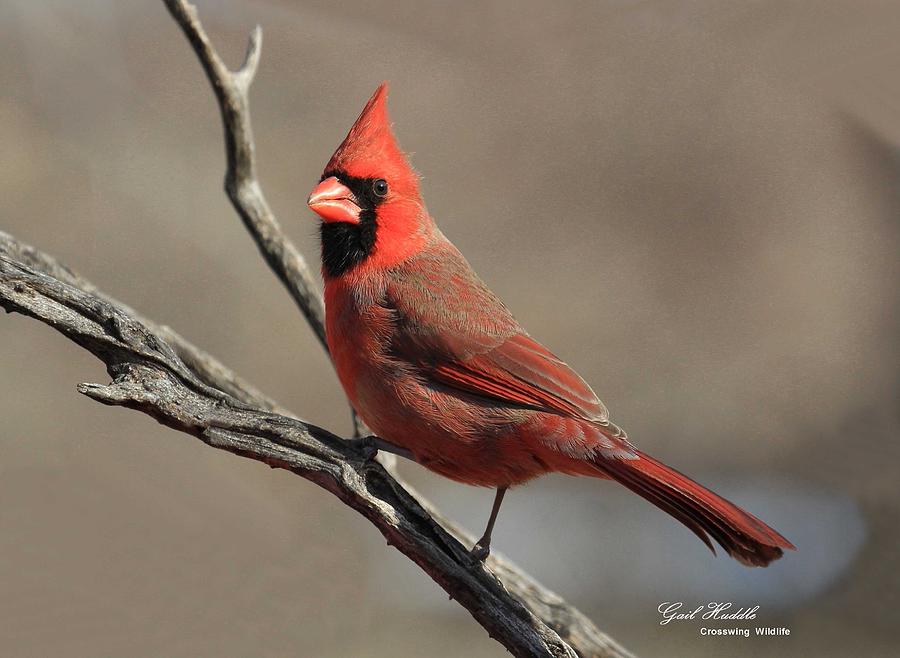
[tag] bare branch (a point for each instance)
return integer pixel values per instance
(241, 182)
(149, 376)
(206, 367)
(243, 77)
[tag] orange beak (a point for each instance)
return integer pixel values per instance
(334, 202)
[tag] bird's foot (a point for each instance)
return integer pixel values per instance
(367, 445)
(480, 551)
(370, 445)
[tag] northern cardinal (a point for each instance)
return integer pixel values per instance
(440, 370)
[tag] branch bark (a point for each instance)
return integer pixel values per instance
(156, 371)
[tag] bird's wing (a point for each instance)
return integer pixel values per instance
(460, 335)
(522, 371)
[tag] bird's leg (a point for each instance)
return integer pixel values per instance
(370, 445)
(482, 547)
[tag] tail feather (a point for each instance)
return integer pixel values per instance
(743, 536)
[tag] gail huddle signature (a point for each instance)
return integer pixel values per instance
(676, 611)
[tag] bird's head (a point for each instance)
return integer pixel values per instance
(368, 197)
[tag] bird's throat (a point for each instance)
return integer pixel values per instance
(345, 245)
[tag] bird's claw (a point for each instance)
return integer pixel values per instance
(480, 553)
(367, 446)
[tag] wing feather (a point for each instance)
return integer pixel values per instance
(521, 371)
(460, 335)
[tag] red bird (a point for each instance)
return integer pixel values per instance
(438, 367)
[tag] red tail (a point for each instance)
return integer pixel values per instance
(742, 535)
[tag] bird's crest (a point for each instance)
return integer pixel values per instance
(370, 149)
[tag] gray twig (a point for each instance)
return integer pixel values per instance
(241, 182)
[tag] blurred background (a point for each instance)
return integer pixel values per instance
(695, 204)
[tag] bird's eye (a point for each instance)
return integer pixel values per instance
(380, 187)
